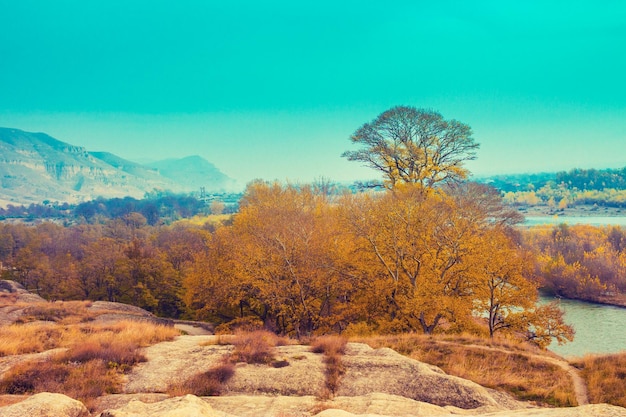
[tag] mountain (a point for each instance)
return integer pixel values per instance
(192, 173)
(35, 167)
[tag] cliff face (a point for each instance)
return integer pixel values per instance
(35, 167)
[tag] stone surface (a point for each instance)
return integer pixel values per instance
(174, 362)
(386, 371)
(46, 405)
(187, 406)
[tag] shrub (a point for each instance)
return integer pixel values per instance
(358, 329)
(329, 345)
(254, 347)
(243, 324)
(209, 383)
(333, 347)
(113, 354)
(83, 381)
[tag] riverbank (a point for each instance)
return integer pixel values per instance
(582, 210)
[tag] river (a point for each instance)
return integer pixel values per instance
(591, 220)
(599, 328)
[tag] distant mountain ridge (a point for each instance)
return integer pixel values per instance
(35, 167)
(190, 171)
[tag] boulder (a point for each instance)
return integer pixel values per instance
(386, 371)
(187, 406)
(46, 405)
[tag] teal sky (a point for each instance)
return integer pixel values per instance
(273, 90)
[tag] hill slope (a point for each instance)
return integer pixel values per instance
(193, 172)
(35, 167)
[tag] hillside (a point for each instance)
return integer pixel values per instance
(192, 172)
(119, 360)
(35, 167)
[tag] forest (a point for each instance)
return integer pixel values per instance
(591, 187)
(425, 251)
(157, 208)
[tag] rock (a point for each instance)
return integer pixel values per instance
(46, 405)
(277, 406)
(174, 362)
(264, 405)
(187, 406)
(596, 410)
(111, 312)
(115, 401)
(593, 410)
(23, 295)
(386, 404)
(386, 371)
(304, 376)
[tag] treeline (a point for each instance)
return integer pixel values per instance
(302, 261)
(593, 179)
(157, 208)
(580, 261)
(566, 189)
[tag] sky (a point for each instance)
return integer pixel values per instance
(274, 89)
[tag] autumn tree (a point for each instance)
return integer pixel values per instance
(409, 145)
(503, 294)
(279, 261)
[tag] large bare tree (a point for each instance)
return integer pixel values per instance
(410, 145)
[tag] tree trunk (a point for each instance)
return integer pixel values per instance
(428, 328)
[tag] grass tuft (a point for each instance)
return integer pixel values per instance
(209, 383)
(254, 347)
(333, 348)
(605, 377)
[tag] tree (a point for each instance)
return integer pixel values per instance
(502, 292)
(414, 146)
(280, 261)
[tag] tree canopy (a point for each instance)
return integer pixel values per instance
(409, 145)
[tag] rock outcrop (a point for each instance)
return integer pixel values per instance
(46, 405)
(187, 406)
(384, 370)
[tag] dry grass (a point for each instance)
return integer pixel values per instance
(498, 364)
(92, 365)
(207, 383)
(82, 381)
(64, 312)
(605, 377)
(18, 339)
(255, 347)
(333, 348)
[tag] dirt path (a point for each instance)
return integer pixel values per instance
(580, 388)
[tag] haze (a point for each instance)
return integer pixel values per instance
(274, 90)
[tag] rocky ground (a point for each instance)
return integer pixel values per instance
(376, 382)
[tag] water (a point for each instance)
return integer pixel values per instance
(591, 220)
(599, 328)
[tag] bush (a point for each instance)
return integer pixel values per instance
(329, 345)
(254, 347)
(243, 324)
(209, 383)
(333, 347)
(83, 381)
(361, 329)
(113, 353)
